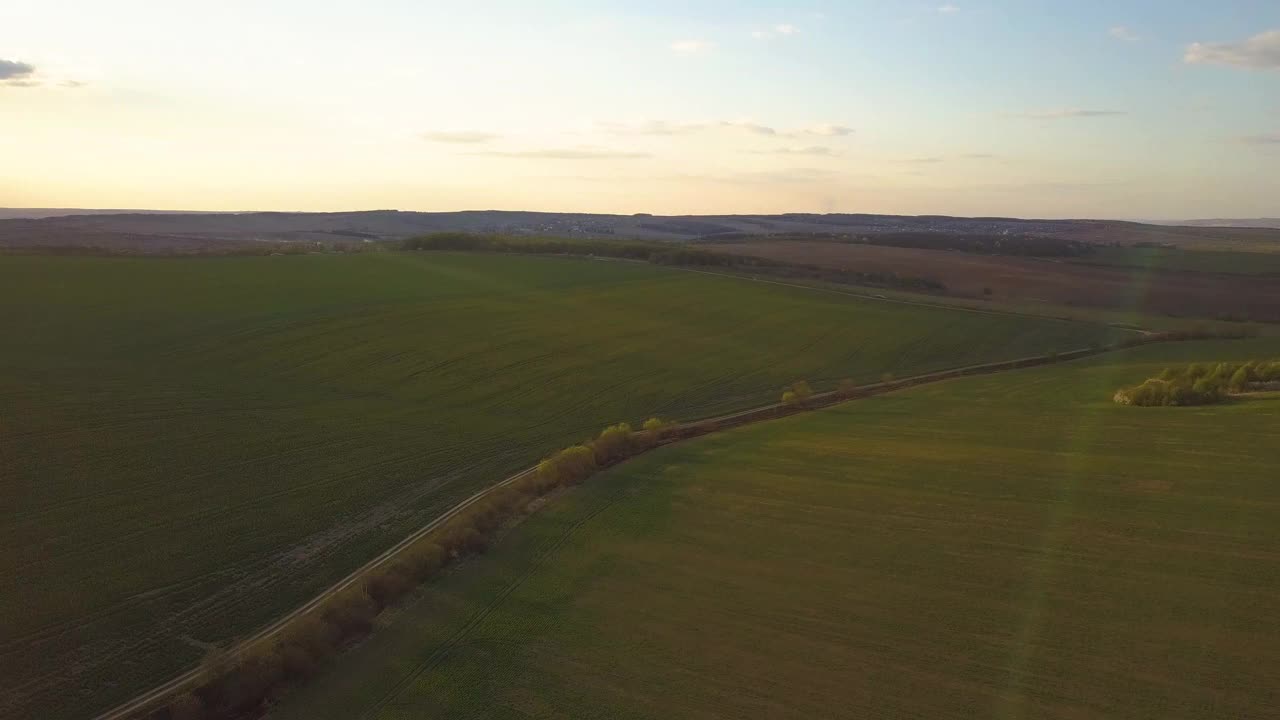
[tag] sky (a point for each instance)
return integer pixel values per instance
(1155, 109)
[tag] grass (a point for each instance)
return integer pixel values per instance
(192, 447)
(1008, 546)
(1217, 261)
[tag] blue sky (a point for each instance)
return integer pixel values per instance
(1102, 109)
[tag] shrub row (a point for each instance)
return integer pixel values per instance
(245, 684)
(1199, 384)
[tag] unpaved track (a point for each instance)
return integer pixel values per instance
(157, 696)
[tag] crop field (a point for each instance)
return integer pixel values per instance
(1008, 546)
(191, 447)
(1215, 261)
(1120, 282)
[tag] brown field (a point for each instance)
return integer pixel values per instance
(1020, 279)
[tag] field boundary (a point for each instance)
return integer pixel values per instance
(154, 699)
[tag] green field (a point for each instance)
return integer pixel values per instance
(1175, 259)
(1007, 546)
(191, 447)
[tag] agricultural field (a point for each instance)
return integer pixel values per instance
(1175, 259)
(1013, 545)
(191, 447)
(1120, 283)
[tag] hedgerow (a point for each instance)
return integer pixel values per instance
(245, 684)
(1199, 384)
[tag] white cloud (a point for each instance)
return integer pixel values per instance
(665, 128)
(578, 153)
(1068, 113)
(651, 127)
(691, 47)
(1121, 32)
(1263, 139)
(751, 127)
(935, 159)
(1260, 52)
(800, 150)
(829, 130)
(782, 29)
(460, 137)
(948, 9)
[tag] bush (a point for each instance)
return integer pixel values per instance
(568, 467)
(351, 613)
(798, 393)
(846, 388)
(389, 583)
(1195, 384)
(613, 444)
(186, 706)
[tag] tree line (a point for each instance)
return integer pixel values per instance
(1199, 384)
(245, 684)
(665, 254)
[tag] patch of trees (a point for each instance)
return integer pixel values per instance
(246, 683)
(1200, 384)
(666, 254)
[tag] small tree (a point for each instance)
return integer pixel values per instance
(1240, 379)
(886, 377)
(613, 444)
(846, 387)
(789, 398)
(802, 390)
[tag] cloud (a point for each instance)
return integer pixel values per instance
(691, 47)
(459, 137)
(1120, 32)
(651, 127)
(14, 73)
(787, 176)
(783, 29)
(665, 128)
(753, 128)
(1068, 113)
(829, 130)
(1263, 139)
(564, 154)
(16, 70)
(935, 159)
(1260, 52)
(948, 9)
(802, 150)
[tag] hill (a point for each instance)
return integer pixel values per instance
(189, 232)
(193, 446)
(1014, 545)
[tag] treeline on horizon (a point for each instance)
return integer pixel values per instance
(1201, 384)
(664, 254)
(978, 243)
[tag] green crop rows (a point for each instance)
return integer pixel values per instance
(191, 447)
(1008, 546)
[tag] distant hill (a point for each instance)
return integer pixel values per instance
(1236, 222)
(147, 231)
(32, 213)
